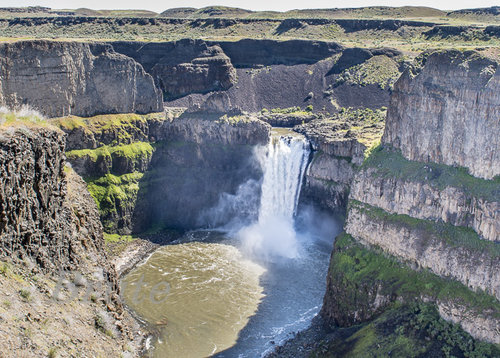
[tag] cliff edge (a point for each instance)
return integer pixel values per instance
(63, 78)
(423, 211)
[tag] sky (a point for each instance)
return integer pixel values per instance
(279, 5)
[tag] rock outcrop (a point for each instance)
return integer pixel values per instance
(183, 67)
(416, 223)
(40, 219)
(254, 53)
(63, 78)
(456, 204)
(339, 145)
(52, 249)
(162, 171)
(200, 157)
(445, 109)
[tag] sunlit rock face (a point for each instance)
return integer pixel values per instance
(63, 78)
(413, 200)
(445, 109)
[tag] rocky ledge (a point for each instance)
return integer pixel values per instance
(422, 218)
(444, 109)
(62, 78)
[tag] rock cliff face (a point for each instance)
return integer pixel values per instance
(413, 213)
(200, 157)
(339, 144)
(50, 231)
(63, 78)
(183, 67)
(454, 204)
(252, 53)
(445, 110)
(188, 71)
(39, 219)
(161, 170)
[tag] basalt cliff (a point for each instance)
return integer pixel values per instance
(160, 131)
(51, 252)
(423, 212)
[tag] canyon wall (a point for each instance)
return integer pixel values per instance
(201, 157)
(339, 144)
(253, 73)
(182, 67)
(418, 226)
(54, 268)
(445, 110)
(163, 170)
(74, 78)
(63, 78)
(42, 218)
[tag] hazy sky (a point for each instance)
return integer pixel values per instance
(279, 5)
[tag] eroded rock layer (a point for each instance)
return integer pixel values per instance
(445, 109)
(63, 78)
(419, 225)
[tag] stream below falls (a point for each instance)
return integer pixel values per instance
(240, 292)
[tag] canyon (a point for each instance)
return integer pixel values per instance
(128, 145)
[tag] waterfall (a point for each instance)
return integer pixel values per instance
(283, 171)
(273, 234)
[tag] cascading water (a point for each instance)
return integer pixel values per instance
(223, 302)
(273, 234)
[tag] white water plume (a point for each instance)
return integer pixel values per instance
(273, 234)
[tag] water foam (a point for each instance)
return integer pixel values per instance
(273, 234)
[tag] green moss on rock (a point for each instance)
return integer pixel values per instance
(413, 330)
(108, 129)
(389, 163)
(131, 151)
(115, 197)
(364, 281)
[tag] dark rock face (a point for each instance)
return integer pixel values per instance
(47, 215)
(190, 71)
(183, 67)
(250, 52)
(447, 112)
(199, 159)
(63, 78)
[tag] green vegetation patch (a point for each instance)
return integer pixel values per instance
(116, 238)
(413, 330)
(389, 163)
(131, 151)
(112, 192)
(295, 111)
(124, 125)
(356, 265)
(453, 236)
(23, 117)
(380, 70)
(363, 124)
(115, 244)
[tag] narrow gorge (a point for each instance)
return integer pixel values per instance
(248, 198)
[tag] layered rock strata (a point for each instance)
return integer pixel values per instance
(183, 67)
(63, 78)
(412, 209)
(445, 109)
